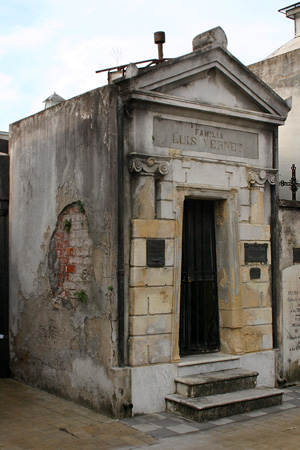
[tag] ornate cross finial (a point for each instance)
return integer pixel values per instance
(293, 183)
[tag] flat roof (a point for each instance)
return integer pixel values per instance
(4, 135)
(289, 8)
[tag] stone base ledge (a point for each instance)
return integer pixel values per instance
(289, 204)
(150, 385)
(264, 364)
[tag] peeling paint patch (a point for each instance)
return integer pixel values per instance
(70, 258)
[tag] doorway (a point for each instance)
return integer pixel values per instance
(199, 314)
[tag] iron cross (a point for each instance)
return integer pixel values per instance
(293, 183)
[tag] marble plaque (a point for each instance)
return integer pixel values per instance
(155, 252)
(256, 253)
(203, 138)
(296, 255)
(291, 317)
(255, 273)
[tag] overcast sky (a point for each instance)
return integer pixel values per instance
(57, 45)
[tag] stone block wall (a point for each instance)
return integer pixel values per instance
(256, 292)
(242, 218)
(150, 295)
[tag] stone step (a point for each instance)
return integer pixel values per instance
(223, 405)
(212, 383)
(207, 362)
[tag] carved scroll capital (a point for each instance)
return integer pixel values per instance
(258, 177)
(148, 165)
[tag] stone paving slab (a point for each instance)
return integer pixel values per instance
(34, 420)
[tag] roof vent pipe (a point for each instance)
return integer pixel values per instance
(160, 39)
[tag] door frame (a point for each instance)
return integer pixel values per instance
(228, 267)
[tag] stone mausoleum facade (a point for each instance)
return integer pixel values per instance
(142, 222)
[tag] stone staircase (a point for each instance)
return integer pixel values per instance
(214, 386)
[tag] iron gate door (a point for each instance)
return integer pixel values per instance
(199, 315)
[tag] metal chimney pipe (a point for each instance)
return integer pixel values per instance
(160, 39)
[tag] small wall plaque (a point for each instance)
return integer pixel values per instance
(296, 255)
(155, 252)
(256, 253)
(255, 273)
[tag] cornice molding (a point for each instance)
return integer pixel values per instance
(171, 101)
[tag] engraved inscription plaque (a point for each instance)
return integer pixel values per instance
(296, 255)
(203, 138)
(155, 252)
(256, 253)
(291, 317)
(293, 306)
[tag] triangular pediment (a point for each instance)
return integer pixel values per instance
(214, 87)
(214, 78)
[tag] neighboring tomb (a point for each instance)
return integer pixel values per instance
(289, 312)
(4, 194)
(281, 71)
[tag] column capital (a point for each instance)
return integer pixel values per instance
(258, 176)
(148, 164)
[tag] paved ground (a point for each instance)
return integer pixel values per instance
(279, 431)
(32, 419)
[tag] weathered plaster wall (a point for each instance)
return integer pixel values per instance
(63, 247)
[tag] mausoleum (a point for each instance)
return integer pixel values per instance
(142, 232)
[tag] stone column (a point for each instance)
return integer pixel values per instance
(151, 288)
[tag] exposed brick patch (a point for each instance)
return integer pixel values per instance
(73, 257)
